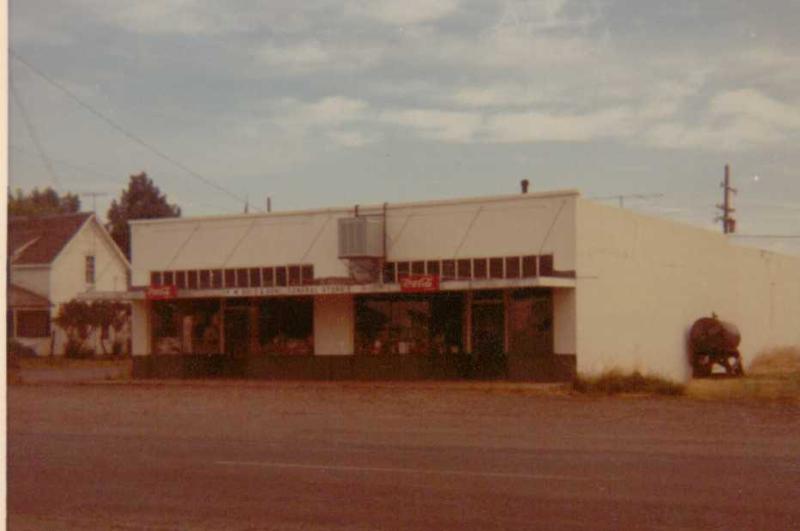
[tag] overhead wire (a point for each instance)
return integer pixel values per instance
(33, 134)
(122, 130)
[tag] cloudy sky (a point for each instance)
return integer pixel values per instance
(358, 101)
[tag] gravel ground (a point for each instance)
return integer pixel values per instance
(285, 455)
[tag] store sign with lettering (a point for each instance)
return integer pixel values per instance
(161, 293)
(419, 283)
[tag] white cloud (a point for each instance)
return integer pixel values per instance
(752, 104)
(736, 135)
(350, 138)
(327, 112)
(500, 95)
(403, 12)
(435, 124)
(308, 56)
(542, 127)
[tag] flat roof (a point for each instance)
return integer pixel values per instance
(370, 207)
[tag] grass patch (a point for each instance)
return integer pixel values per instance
(773, 375)
(617, 382)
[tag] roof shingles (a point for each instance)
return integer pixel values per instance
(38, 240)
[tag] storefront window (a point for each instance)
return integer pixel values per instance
(200, 326)
(286, 325)
(166, 338)
(396, 325)
(530, 316)
(189, 327)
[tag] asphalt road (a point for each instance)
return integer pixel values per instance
(339, 456)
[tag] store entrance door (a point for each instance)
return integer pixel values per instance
(488, 339)
(237, 332)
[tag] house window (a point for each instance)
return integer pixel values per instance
(89, 270)
(512, 267)
(433, 267)
(294, 275)
(388, 273)
(479, 267)
(255, 277)
(528, 266)
(308, 274)
(33, 323)
(268, 276)
(496, 267)
(155, 278)
(448, 269)
(230, 278)
(241, 278)
(191, 279)
(216, 278)
(280, 276)
(169, 278)
(418, 268)
(180, 280)
(464, 268)
(403, 269)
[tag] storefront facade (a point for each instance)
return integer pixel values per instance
(445, 299)
(532, 287)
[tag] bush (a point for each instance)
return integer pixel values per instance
(616, 382)
(76, 350)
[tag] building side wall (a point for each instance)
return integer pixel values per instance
(564, 321)
(643, 281)
(333, 325)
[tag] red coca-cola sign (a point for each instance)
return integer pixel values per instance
(419, 283)
(160, 293)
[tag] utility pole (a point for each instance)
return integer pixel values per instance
(728, 221)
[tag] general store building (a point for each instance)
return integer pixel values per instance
(527, 287)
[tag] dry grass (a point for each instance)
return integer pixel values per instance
(773, 375)
(617, 382)
(781, 360)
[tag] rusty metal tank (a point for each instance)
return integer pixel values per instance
(709, 335)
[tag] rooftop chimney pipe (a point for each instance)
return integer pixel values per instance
(524, 183)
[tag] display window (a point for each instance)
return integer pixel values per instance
(530, 322)
(286, 325)
(398, 325)
(186, 327)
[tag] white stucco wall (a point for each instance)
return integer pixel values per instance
(643, 281)
(564, 321)
(333, 325)
(468, 228)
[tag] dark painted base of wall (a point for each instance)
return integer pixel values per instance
(520, 368)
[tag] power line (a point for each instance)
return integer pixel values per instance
(34, 136)
(67, 164)
(132, 136)
(621, 197)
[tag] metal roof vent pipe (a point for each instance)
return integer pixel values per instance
(524, 183)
